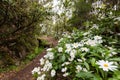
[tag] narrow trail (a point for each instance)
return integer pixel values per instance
(25, 73)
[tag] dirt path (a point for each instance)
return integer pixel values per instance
(25, 73)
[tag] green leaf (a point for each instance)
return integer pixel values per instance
(96, 77)
(93, 61)
(84, 75)
(115, 59)
(63, 57)
(87, 65)
(56, 66)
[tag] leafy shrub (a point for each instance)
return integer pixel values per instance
(86, 55)
(82, 55)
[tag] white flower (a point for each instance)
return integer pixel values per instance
(97, 40)
(53, 72)
(98, 4)
(65, 63)
(41, 77)
(72, 54)
(97, 37)
(80, 44)
(86, 33)
(78, 67)
(110, 48)
(79, 60)
(42, 61)
(69, 36)
(47, 66)
(49, 49)
(68, 45)
(60, 40)
(91, 42)
(36, 70)
(115, 7)
(95, 26)
(113, 53)
(64, 69)
(84, 49)
(68, 50)
(60, 49)
(75, 45)
(49, 55)
(83, 58)
(106, 66)
(84, 69)
(71, 59)
(118, 18)
(110, 13)
(65, 74)
(103, 54)
(110, 55)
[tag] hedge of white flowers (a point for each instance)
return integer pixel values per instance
(84, 55)
(79, 56)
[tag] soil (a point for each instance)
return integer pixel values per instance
(25, 73)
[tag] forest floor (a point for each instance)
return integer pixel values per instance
(25, 73)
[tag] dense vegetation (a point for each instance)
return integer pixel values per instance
(19, 28)
(89, 32)
(90, 53)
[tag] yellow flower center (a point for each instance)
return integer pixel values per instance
(105, 65)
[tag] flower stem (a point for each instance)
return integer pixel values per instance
(105, 75)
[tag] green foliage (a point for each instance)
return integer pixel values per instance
(84, 75)
(19, 26)
(37, 51)
(116, 76)
(80, 14)
(87, 55)
(19, 65)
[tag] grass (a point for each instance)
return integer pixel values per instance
(31, 56)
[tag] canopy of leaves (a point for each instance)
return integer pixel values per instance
(19, 21)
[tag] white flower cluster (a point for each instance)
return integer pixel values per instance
(75, 54)
(42, 77)
(95, 41)
(49, 55)
(36, 70)
(98, 4)
(46, 65)
(72, 48)
(64, 70)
